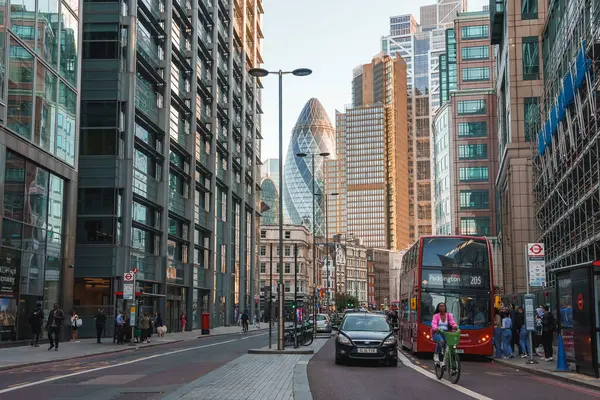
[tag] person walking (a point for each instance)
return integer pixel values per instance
(255, 320)
(497, 334)
(507, 346)
(145, 327)
(183, 320)
(522, 329)
(54, 323)
(515, 330)
(548, 328)
(159, 321)
(36, 320)
(100, 323)
(74, 326)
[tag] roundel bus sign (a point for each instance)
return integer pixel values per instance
(535, 250)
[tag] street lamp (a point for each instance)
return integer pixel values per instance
(314, 178)
(261, 73)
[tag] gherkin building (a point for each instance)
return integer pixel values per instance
(270, 202)
(312, 134)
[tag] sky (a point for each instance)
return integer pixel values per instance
(331, 37)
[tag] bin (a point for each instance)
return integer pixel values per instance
(205, 323)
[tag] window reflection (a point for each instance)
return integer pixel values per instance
(69, 46)
(45, 91)
(47, 38)
(14, 187)
(36, 200)
(20, 90)
(65, 140)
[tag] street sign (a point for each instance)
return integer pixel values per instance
(128, 291)
(134, 270)
(132, 316)
(128, 277)
(535, 250)
(529, 312)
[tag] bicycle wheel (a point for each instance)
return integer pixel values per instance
(439, 371)
(308, 338)
(454, 368)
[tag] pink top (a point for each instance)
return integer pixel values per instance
(436, 320)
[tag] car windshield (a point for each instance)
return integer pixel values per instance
(365, 324)
(321, 318)
(469, 311)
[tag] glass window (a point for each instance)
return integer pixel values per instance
(74, 5)
(467, 107)
(67, 112)
(56, 207)
(98, 142)
(288, 251)
(473, 174)
(96, 230)
(475, 226)
(476, 74)
(263, 268)
(14, 188)
(287, 268)
(472, 151)
(36, 192)
(474, 199)
(47, 40)
(69, 46)
(44, 133)
(288, 286)
(532, 117)
(475, 53)
(142, 240)
(529, 9)
(20, 90)
(470, 311)
(531, 58)
(474, 32)
(472, 129)
(263, 250)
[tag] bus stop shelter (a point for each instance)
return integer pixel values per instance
(578, 309)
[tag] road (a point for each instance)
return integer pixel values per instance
(148, 373)
(414, 379)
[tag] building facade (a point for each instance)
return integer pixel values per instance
(269, 196)
(380, 260)
(516, 28)
(39, 141)
(420, 46)
(465, 140)
(567, 152)
(170, 155)
(294, 235)
(270, 168)
(312, 135)
(373, 157)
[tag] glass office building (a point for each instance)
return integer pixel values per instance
(312, 134)
(39, 97)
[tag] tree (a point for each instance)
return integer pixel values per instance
(344, 300)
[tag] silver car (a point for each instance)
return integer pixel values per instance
(323, 323)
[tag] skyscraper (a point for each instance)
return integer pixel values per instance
(39, 141)
(312, 134)
(170, 156)
(420, 47)
(373, 156)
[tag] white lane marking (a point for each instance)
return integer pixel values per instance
(431, 375)
(55, 378)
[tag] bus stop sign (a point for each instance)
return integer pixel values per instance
(529, 312)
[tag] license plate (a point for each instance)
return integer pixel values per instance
(365, 350)
(460, 351)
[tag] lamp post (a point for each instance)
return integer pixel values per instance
(314, 194)
(328, 253)
(261, 73)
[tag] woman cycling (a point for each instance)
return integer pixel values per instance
(441, 322)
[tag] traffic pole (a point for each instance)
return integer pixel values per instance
(132, 314)
(531, 349)
(295, 294)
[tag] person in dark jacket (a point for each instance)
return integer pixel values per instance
(515, 331)
(548, 328)
(159, 321)
(100, 324)
(36, 319)
(55, 320)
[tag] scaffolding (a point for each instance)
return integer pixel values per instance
(567, 158)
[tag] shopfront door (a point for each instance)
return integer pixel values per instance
(173, 313)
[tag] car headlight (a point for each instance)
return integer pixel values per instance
(342, 339)
(391, 340)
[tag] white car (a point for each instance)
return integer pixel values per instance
(323, 323)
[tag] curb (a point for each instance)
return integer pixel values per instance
(300, 384)
(122, 350)
(278, 352)
(548, 374)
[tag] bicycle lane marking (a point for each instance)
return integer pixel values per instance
(432, 376)
(137, 360)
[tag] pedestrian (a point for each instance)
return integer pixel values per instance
(119, 325)
(100, 323)
(145, 327)
(255, 320)
(548, 328)
(497, 333)
(183, 320)
(507, 348)
(515, 330)
(55, 320)
(159, 321)
(36, 320)
(74, 326)
(522, 329)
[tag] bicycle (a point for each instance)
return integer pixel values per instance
(245, 327)
(303, 335)
(451, 361)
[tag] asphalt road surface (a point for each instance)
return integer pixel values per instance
(415, 379)
(145, 374)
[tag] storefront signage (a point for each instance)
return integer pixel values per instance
(9, 284)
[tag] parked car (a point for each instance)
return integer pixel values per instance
(323, 323)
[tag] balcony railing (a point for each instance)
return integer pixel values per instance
(176, 203)
(147, 49)
(145, 186)
(155, 7)
(146, 99)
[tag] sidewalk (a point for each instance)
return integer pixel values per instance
(251, 376)
(549, 369)
(14, 357)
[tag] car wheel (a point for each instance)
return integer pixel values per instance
(393, 363)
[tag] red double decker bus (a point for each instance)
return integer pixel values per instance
(456, 270)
